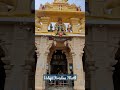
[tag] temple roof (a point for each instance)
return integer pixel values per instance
(59, 5)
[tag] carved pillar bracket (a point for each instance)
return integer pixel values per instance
(75, 25)
(45, 22)
(82, 26)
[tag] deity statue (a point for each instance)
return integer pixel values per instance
(60, 27)
(69, 28)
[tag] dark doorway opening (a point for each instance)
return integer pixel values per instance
(59, 63)
(2, 70)
(116, 72)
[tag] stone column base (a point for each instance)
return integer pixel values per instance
(39, 89)
(79, 88)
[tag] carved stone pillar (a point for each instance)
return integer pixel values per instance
(40, 71)
(92, 69)
(77, 52)
(79, 84)
(103, 75)
(8, 69)
(90, 66)
(100, 65)
(41, 63)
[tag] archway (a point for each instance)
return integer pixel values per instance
(59, 64)
(60, 59)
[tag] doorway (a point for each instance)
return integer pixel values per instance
(2, 70)
(58, 63)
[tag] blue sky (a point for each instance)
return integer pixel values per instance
(77, 2)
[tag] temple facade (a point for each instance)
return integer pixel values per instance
(60, 39)
(63, 44)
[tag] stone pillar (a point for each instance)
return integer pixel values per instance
(103, 74)
(8, 69)
(92, 69)
(90, 63)
(40, 72)
(18, 54)
(102, 56)
(78, 45)
(79, 84)
(41, 63)
(101, 71)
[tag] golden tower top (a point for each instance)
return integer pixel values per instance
(59, 5)
(60, 19)
(60, 1)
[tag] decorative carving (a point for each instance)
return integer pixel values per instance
(38, 24)
(61, 5)
(60, 27)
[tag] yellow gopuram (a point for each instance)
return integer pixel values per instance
(56, 12)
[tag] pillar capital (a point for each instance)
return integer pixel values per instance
(82, 25)
(45, 20)
(75, 25)
(74, 21)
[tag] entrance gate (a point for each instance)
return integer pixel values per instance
(59, 67)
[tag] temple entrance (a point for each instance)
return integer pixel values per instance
(58, 63)
(59, 66)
